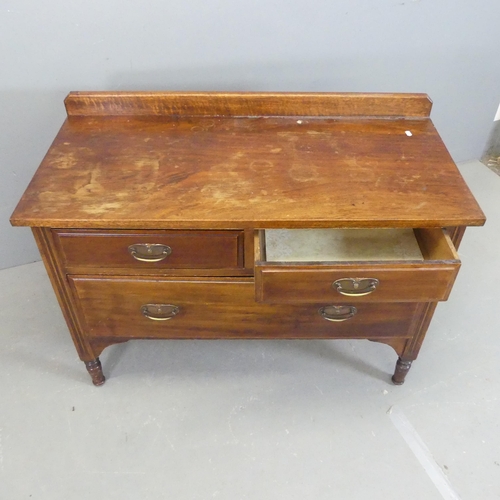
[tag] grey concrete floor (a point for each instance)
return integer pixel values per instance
(257, 419)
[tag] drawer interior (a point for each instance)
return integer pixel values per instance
(338, 245)
(353, 245)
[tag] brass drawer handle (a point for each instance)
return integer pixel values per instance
(149, 252)
(159, 312)
(338, 313)
(355, 287)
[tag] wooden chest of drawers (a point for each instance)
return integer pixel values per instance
(248, 216)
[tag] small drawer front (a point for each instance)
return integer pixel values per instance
(428, 280)
(223, 308)
(152, 249)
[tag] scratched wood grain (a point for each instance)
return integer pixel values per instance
(247, 104)
(202, 172)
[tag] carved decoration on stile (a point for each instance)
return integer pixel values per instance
(53, 264)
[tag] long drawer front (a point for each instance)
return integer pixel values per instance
(223, 308)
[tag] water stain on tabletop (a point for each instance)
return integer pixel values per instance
(304, 173)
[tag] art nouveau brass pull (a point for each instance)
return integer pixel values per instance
(159, 312)
(149, 252)
(355, 287)
(338, 313)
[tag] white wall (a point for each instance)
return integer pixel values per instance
(47, 48)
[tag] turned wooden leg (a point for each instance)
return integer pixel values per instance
(95, 371)
(402, 368)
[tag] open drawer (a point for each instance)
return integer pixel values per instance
(349, 265)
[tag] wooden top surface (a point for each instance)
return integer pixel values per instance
(168, 160)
